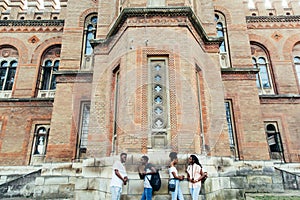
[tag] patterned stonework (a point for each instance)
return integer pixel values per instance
(275, 22)
(31, 25)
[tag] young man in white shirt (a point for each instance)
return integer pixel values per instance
(119, 177)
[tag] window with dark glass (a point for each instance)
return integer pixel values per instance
(90, 30)
(274, 140)
(262, 78)
(224, 46)
(8, 68)
(260, 61)
(49, 65)
(231, 129)
(7, 74)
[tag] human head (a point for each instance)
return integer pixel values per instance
(194, 159)
(123, 157)
(173, 155)
(144, 159)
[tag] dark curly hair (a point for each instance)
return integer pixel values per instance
(196, 160)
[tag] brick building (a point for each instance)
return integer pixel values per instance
(93, 78)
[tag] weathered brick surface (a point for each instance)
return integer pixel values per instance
(172, 37)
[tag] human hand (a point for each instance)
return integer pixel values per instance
(181, 177)
(125, 180)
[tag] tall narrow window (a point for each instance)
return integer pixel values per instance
(83, 130)
(296, 56)
(8, 67)
(116, 77)
(90, 29)
(198, 82)
(40, 141)
(231, 130)
(261, 62)
(159, 101)
(224, 47)
(274, 140)
(47, 79)
(297, 68)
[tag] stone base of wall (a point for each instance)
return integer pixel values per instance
(90, 179)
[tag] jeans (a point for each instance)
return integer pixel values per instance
(147, 194)
(195, 193)
(177, 194)
(115, 193)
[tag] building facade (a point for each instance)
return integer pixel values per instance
(94, 78)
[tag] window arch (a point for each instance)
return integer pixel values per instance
(8, 67)
(261, 61)
(90, 29)
(224, 46)
(49, 65)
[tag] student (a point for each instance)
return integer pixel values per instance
(173, 173)
(145, 172)
(194, 176)
(119, 177)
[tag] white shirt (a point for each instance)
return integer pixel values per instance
(172, 169)
(195, 172)
(148, 177)
(115, 180)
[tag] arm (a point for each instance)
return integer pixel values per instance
(124, 179)
(177, 177)
(153, 170)
(203, 175)
(188, 175)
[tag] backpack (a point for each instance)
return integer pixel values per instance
(155, 181)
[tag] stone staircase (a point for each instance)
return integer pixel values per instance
(90, 179)
(18, 184)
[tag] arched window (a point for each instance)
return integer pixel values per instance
(260, 61)
(39, 146)
(8, 67)
(41, 141)
(297, 68)
(224, 47)
(50, 64)
(90, 29)
(296, 57)
(274, 140)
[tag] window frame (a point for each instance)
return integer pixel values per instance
(5, 85)
(273, 137)
(82, 148)
(232, 135)
(297, 70)
(263, 54)
(86, 58)
(224, 48)
(159, 123)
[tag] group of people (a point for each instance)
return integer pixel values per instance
(195, 176)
